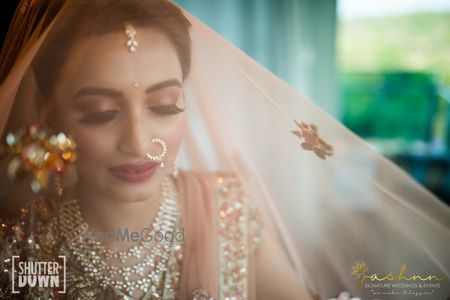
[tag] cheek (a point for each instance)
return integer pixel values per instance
(175, 136)
(94, 145)
(91, 142)
(93, 149)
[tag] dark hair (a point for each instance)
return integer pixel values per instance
(93, 18)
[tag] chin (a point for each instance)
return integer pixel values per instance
(129, 195)
(133, 192)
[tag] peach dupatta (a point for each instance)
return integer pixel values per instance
(200, 268)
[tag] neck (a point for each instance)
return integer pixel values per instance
(108, 214)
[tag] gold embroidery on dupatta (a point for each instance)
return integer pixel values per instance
(311, 140)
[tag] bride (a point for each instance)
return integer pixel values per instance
(165, 164)
(118, 90)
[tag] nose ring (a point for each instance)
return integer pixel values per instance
(160, 157)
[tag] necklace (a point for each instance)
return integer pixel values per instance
(139, 269)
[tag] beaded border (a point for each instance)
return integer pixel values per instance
(233, 241)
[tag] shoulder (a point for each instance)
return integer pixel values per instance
(236, 209)
(207, 190)
(19, 232)
(219, 181)
(39, 211)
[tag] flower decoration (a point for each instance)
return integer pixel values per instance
(38, 151)
(311, 140)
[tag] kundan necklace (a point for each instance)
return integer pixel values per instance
(139, 269)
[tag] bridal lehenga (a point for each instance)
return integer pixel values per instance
(267, 181)
(53, 228)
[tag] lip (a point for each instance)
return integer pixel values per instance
(134, 172)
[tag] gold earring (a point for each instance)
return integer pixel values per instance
(58, 179)
(160, 157)
(39, 151)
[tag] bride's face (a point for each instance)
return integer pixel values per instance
(113, 102)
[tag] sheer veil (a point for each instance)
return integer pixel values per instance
(340, 210)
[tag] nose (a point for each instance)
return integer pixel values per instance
(135, 139)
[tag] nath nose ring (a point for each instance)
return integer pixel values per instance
(160, 157)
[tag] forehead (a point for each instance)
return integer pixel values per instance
(106, 60)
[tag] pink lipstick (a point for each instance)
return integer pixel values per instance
(135, 172)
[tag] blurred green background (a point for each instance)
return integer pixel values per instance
(394, 80)
(379, 66)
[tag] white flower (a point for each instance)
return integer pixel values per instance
(344, 296)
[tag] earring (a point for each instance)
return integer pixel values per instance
(174, 170)
(160, 157)
(59, 184)
(39, 151)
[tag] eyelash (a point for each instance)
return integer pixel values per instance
(109, 115)
(166, 109)
(100, 118)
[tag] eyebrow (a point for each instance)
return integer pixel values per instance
(163, 84)
(87, 91)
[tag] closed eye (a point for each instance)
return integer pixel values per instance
(100, 117)
(166, 109)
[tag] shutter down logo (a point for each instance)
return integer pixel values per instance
(42, 274)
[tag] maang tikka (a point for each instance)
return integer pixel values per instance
(161, 156)
(132, 44)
